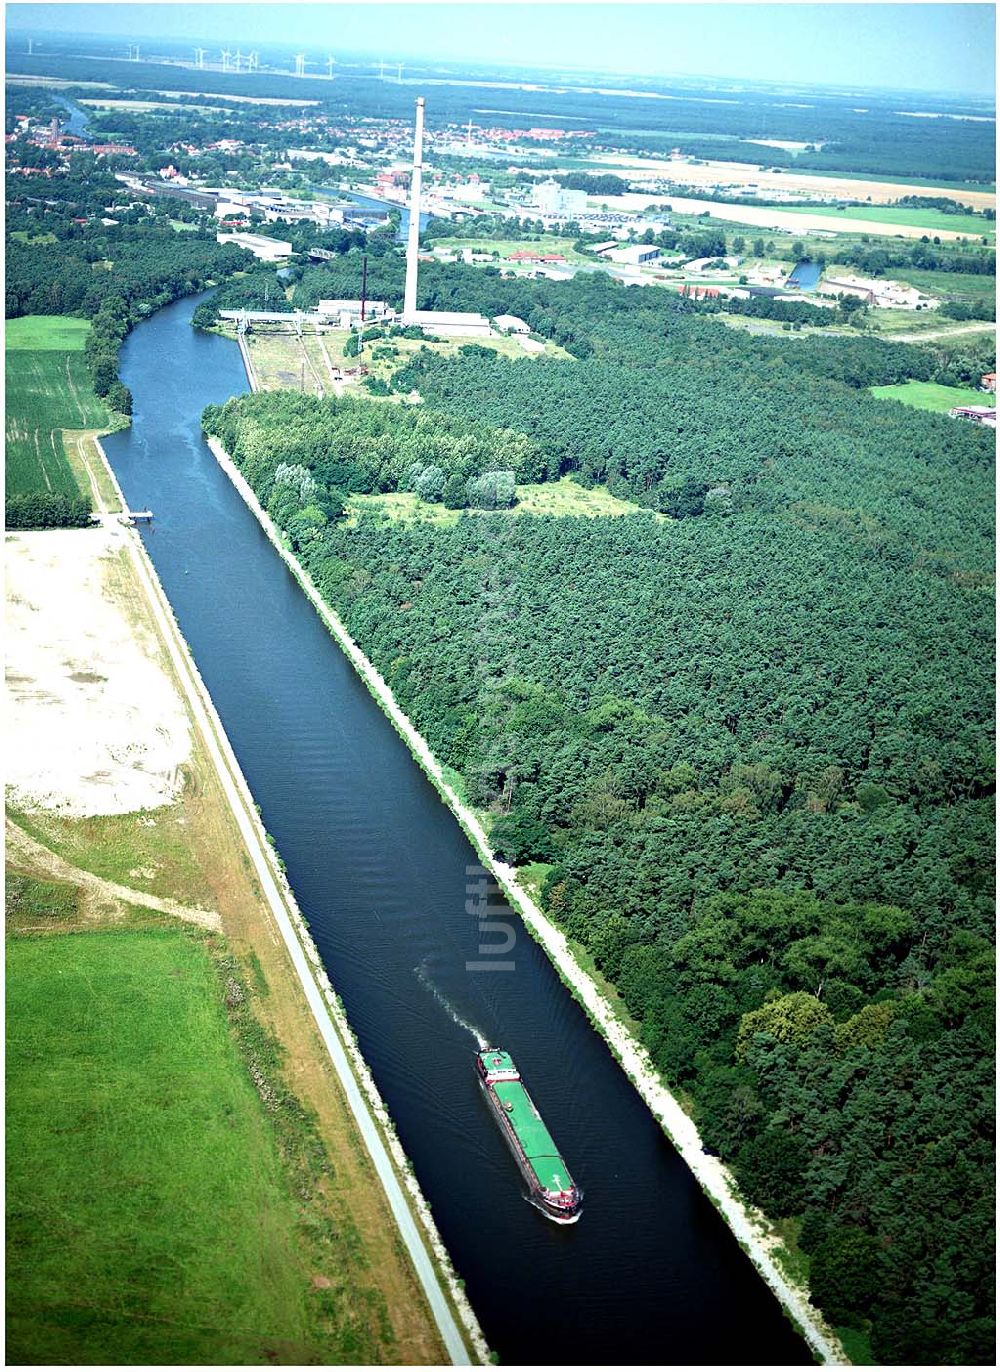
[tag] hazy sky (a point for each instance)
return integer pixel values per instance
(915, 46)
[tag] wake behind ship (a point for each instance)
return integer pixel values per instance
(550, 1187)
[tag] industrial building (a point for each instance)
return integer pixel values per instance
(347, 313)
(450, 324)
(635, 255)
(556, 202)
(509, 323)
(267, 249)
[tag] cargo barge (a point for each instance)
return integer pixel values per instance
(550, 1187)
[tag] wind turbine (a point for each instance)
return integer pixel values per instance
(199, 57)
(331, 62)
(381, 68)
(399, 72)
(225, 54)
(300, 64)
(31, 46)
(238, 59)
(253, 61)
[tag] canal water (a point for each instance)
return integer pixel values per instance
(387, 880)
(806, 276)
(369, 202)
(78, 121)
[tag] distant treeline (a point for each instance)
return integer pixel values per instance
(878, 140)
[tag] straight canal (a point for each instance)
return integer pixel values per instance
(381, 870)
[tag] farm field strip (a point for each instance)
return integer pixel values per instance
(48, 391)
(770, 217)
(931, 221)
(742, 174)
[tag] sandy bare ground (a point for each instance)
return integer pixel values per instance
(920, 337)
(768, 217)
(25, 852)
(737, 174)
(94, 724)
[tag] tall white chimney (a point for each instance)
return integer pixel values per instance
(413, 238)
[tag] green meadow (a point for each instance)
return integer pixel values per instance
(51, 332)
(48, 390)
(151, 1218)
(927, 395)
(934, 221)
(967, 287)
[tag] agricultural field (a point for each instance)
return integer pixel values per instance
(964, 286)
(55, 332)
(48, 390)
(926, 395)
(933, 221)
(140, 1070)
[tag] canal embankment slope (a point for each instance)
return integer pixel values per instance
(410, 1214)
(749, 1227)
(158, 825)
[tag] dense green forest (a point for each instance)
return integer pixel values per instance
(45, 510)
(751, 743)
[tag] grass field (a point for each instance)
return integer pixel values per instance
(949, 285)
(543, 243)
(141, 1150)
(278, 357)
(38, 332)
(562, 497)
(48, 390)
(22, 236)
(931, 220)
(926, 395)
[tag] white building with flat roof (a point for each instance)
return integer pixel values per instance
(347, 313)
(267, 249)
(556, 201)
(635, 255)
(510, 323)
(451, 323)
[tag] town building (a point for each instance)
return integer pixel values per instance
(978, 414)
(556, 202)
